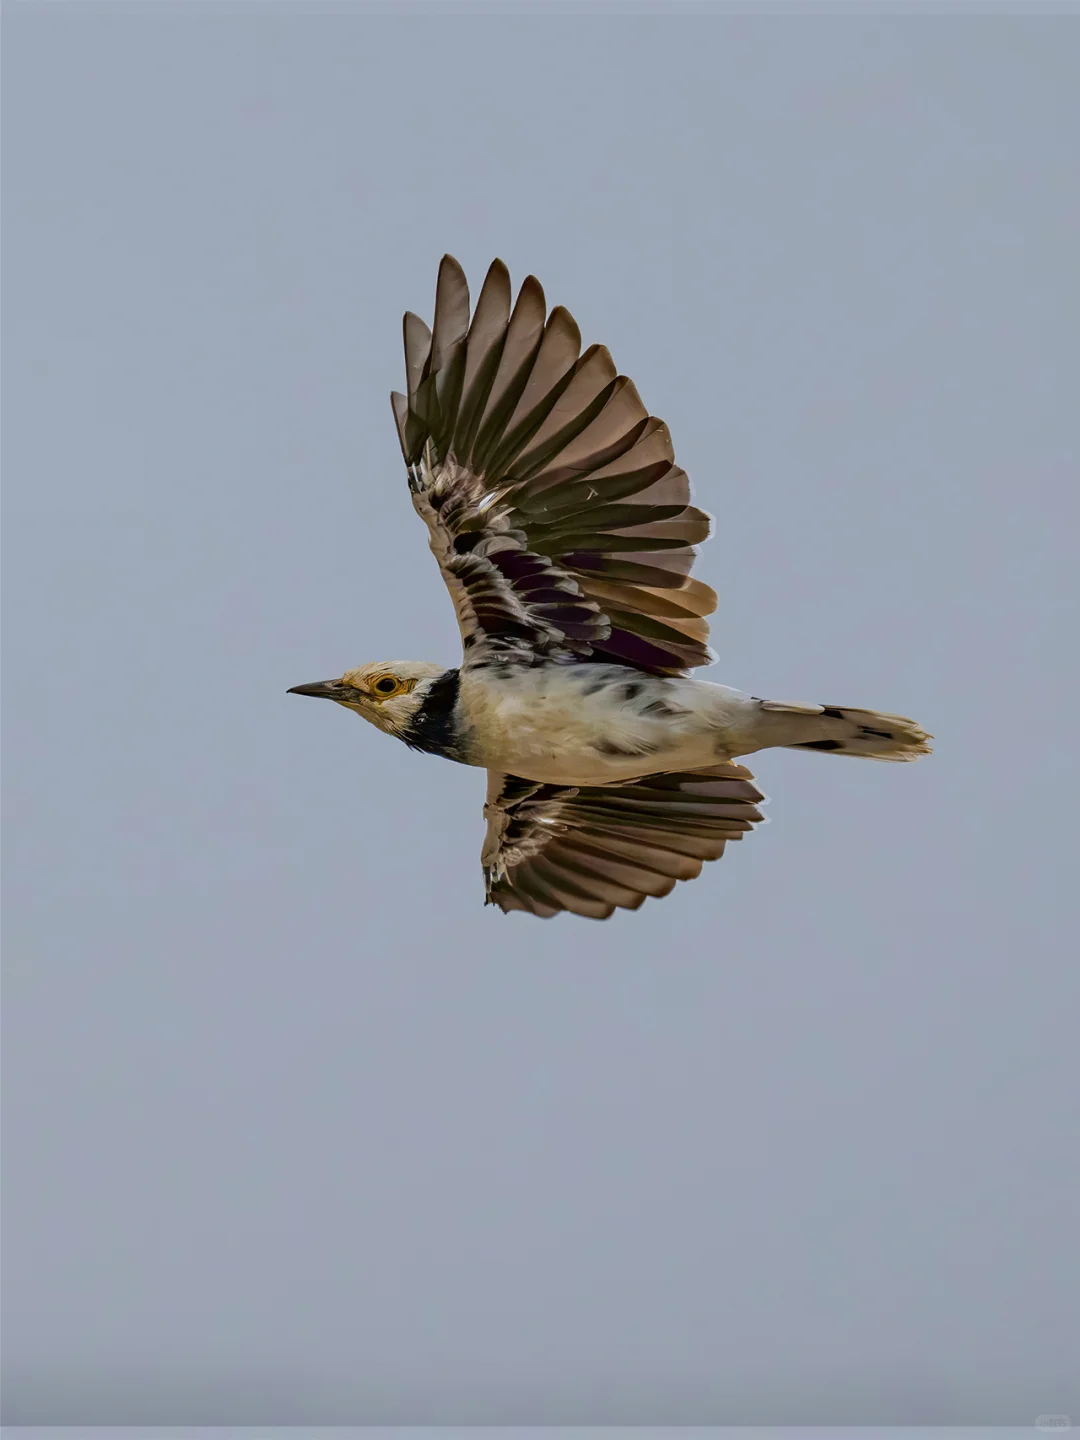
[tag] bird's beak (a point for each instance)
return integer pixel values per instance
(324, 690)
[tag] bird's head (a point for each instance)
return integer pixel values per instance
(388, 693)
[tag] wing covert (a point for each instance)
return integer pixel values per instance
(561, 523)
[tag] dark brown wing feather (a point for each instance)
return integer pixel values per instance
(556, 511)
(591, 849)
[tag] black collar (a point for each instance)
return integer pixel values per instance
(433, 728)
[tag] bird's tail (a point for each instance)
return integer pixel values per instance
(839, 730)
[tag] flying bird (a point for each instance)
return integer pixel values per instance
(565, 534)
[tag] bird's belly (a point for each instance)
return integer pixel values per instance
(558, 730)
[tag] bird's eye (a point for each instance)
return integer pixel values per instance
(386, 685)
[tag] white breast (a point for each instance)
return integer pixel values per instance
(594, 724)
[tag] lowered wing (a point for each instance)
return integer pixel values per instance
(590, 849)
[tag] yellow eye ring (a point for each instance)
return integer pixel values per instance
(387, 686)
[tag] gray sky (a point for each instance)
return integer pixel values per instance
(295, 1130)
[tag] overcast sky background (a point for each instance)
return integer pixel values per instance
(295, 1130)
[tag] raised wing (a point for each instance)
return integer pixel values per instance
(590, 849)
(559, 519)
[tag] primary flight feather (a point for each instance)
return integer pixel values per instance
(565, 534)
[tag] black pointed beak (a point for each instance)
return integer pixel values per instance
(323, 690)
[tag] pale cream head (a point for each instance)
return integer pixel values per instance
(388, 693)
